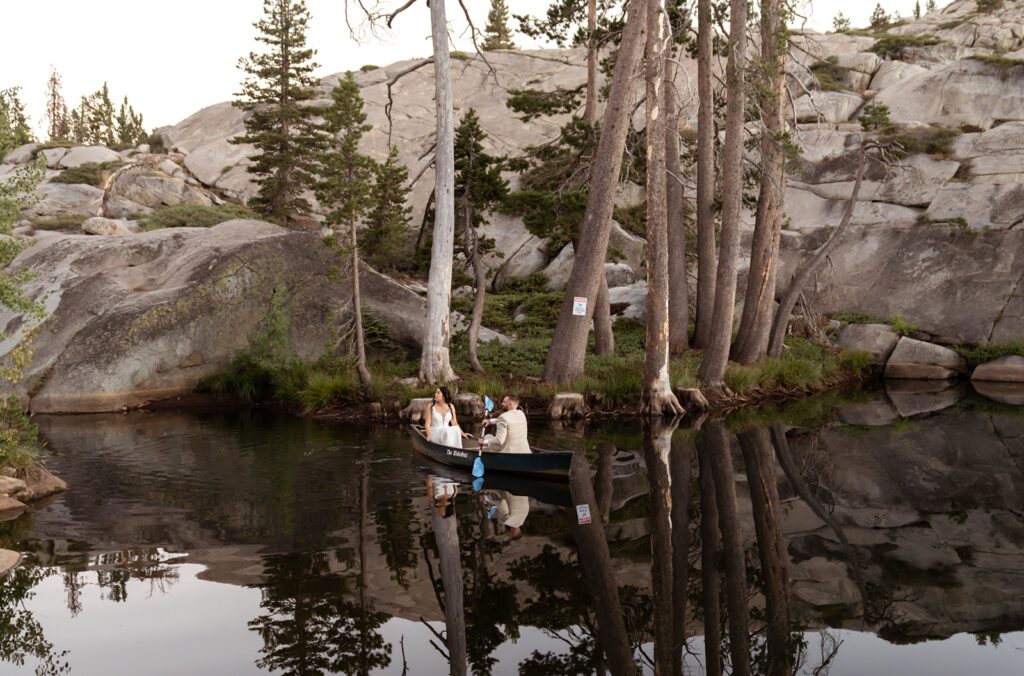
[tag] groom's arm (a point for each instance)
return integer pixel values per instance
(501, 433)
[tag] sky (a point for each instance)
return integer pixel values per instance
(171, 59)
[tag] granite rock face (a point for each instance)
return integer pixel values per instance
(140, 318)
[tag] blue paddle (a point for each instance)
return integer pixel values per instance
(478, 463)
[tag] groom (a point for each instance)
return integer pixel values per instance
(510, 436)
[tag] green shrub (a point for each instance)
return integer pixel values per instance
(741, 379)
(892, 46)
(88, 174)
(1004, 65)
(854, 361)
(19, 437)
(857, 318)
(323, 389)
(984, 353)
(367, 68)
(934, 141)
(193, 216)
(633, 219)
(903, 327)
(533, 103)
(830, 74)
(63, 222)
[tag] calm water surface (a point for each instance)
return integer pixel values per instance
(843, 540)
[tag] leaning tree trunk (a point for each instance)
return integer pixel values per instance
(569, 341)
(759, 460)
(435, 366)
(599, 572)
(480, 280)
(657, 397)
(706, 252)
(716, 352)
(800, 279)
(716, 443)
(357, 311)
(752, 340)
(678, 285)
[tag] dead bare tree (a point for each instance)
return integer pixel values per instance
(657, 397)
(811, 266)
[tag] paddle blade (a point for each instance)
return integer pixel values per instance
(478, 484)
(488, 404)
(478, 467)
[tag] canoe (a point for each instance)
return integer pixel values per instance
(546, 464)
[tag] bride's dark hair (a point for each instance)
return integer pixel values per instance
(446, 394)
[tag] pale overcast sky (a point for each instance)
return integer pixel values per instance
(172, 59)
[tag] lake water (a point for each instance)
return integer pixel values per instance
(252, 542)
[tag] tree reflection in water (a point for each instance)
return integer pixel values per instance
(315, 622)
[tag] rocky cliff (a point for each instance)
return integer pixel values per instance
(936, 236)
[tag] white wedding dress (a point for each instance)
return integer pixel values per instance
(442, 432)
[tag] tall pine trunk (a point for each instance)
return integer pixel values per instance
(480, 282)
(590, 105)
(604, 337)
(716, 352)
(752, 340)
(706, 252)
(357, 311)
(569, 341)
(678, 285)
(657, 397)
(811, 266)
(435, 366)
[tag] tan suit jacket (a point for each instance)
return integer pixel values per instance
(511, 432)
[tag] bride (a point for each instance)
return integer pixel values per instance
(442, 426)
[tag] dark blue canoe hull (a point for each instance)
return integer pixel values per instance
(549, 464)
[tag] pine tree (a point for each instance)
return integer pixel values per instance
(128, 128)
(840, 23)
(276, 93)
(388, 218)
(344, 187)
(917, 9)
(930, 6)
(478, 187)
(94, 120)
(14, 127)
(497, 34)
(879, 18)
(58, 125)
